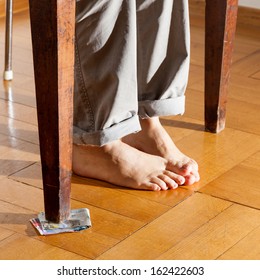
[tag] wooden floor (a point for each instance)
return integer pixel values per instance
(217, 218)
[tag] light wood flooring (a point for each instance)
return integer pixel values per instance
(217, 218)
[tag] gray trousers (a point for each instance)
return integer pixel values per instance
(131, 62)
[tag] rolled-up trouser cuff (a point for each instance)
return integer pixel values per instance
(164, 107)
(102, 137)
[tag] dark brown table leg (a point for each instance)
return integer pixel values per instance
(221, 18)
(52, 25)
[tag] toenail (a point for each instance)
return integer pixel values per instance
(175, 185)
(181, 180)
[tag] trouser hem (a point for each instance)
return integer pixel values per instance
(164, 107)
(102, 137)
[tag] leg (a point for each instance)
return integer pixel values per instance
(163, 56)
(106, 102)
(105, 71)
(52, 24)
(220, 29)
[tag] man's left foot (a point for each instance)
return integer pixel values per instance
(153, 139)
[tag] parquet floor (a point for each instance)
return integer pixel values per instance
(217, 218)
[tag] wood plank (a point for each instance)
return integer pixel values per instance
(108, 230)
(244, 47)
(256, 75)
(249, 17)
(21, 91)
(105, 223)
(169, 229)
(240, 184)
(19, 130)
(30, 175)
(194, 104)
(169, 197)
(197, 52)
(83, 243)
(183, 126)
(216, 154)
(196, 76)
(105, 196)
(16, 154)
(19, 6)
(246, 249)
(19, 247)
(239, 102)
(244, 116)
(11, 192)
(217, 236)
(114, 225)
(18, 112)
(248, 65)
(5, 233)
(16, 219)
(244, 89)
(243, 99)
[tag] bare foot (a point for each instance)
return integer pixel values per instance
(153, 139)
(121, 164)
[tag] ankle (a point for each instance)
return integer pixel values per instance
(150, 123)
(111, 146)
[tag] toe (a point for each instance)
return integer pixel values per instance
(197, 176)
(179, 169)
(160, 182)
(153, 187)
(190, 180)
(183, 168)
(178, 179)
(190, 167)
(171, 184)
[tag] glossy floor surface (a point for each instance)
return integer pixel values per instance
(217, 218)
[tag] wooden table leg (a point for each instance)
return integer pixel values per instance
(221, 18)
(52, 25)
